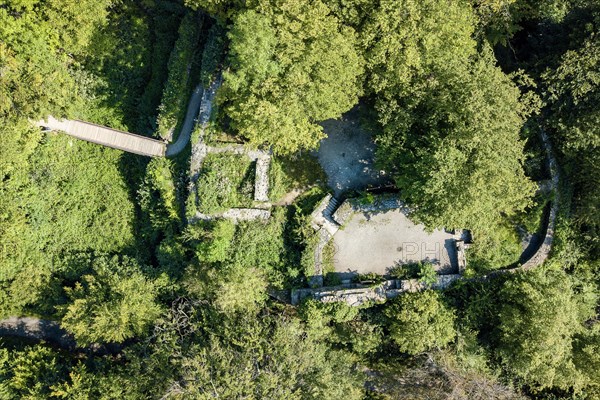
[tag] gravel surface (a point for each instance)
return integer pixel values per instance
(376, 242)
(347, 154)
(188, 124)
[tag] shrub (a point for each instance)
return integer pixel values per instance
(295, 172)
(216, 247)
(420, 321)
(226, 181)
(422, 270)
(115, 303)
(212, 55)
(174, 97)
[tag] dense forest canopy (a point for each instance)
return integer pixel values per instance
(456, 94)
(280, 84)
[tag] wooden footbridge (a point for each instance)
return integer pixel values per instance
(107, 136)
(198, 110)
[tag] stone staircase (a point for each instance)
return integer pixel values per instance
(330, 209)
(322, 217)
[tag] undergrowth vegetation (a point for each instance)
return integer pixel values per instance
(226, 181)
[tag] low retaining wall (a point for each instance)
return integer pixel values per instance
(544, 251)
(261, 180)
(355, 294)
(200, 150)
(235, 214)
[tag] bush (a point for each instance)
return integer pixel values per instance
(370, 277)
(160, 174)
(424, 271)
(532, 218)
(496, 249)
(427, 274)
(420, 321)
(308, 256)
(296, 172)
(226, 181)
(174, 99)
(212, 55)
(114, 303)
(158, 202)
(216, 247)
(261, 245)
(366, 198)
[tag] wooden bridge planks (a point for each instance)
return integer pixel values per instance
(107, 137)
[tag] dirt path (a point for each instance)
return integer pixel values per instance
(289, 197)
(188, 124)
(37, 329)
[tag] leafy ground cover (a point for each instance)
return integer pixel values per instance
(226, 181)
(299, 172)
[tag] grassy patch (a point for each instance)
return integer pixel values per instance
(297, 172)
(330, 278)
(307, 260)
(328, 257)
(226, 181)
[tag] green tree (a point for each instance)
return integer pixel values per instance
(427, 273)
(65, 197)
(175, 93)
(420, 321)
(408, 44)
(39, 40)
(292, 64)
(342, 325)
(157, 200)
(574, 93)
(459, 155)
(574, 90)
(230, 289)
(115, 303)
(541, 314)
(219, 8)
(274, 358)
(29, 373)
(451, 119)
(587, 355)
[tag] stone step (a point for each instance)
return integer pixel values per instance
(333, 204)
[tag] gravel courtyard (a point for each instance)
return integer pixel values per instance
(347, 154)
(375, 243)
